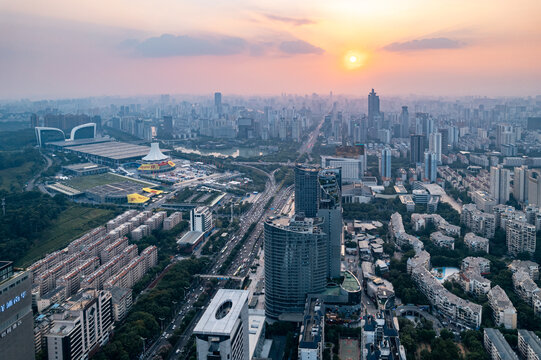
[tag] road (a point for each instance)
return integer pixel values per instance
(240, 266)
(253, 215)
(32, 181)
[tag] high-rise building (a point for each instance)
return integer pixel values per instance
(444, 140)
(201, 219)
(16, 321)
(434, 145)
(330, 210)
(168, 124)
(520, 184)
(431, 166)
(417, 149)
(306, 190)
(504, 135)
(218, 103)
(405, 122)
(534, 187)
(81, 326)
(520, 237)
(222, 332)
(295, 263)
(500, 182)
(385, 163)
(373, 108)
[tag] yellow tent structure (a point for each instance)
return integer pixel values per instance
(137, 199)
(153, 191)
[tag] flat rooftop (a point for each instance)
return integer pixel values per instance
(191, 237)
(222, 312)
(115, 150)
(84, 166)
(78, 142)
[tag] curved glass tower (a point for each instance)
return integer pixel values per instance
(295, 263)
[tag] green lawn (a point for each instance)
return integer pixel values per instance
(70, 224)
(13, 179)
(83, 183)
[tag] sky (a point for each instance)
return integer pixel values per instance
(68, 49)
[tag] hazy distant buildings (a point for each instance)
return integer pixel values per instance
(520, 184)
(352, 168)
(385, 163)
(417, 149)
(218, 103)
(373, 109)
(405, 122)
(435, 145)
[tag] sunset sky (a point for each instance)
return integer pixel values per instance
(66, 48)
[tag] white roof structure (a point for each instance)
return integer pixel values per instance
(216, 320)
(155, 154)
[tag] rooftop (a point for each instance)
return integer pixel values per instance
(115, 150)
(504, 350)
(531, 339)
(222, 312)
(350, 282)
(191, 237)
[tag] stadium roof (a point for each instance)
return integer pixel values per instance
(137, 198)
(115, 150)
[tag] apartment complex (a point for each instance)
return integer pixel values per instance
(480, 223)
(461, 312)
(529, 345)
(476, 243)
(503, 311)
(496, 345)
(520, 237)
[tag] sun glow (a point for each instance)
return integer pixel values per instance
(354, 60)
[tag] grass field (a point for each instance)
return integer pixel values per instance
(83, 183)
(70, 224)
(14, 178)
(349, 349)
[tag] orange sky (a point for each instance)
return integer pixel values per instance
(61, 48)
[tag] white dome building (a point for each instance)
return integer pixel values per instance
(156, 161)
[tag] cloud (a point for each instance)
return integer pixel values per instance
(289, 20)
(425, 44)
(299, 47)
(168, 45)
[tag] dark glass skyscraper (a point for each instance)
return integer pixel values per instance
(417, 149)
(307, 191)
(373, 108)
(405, 122)
(218, 102)
(295, 263)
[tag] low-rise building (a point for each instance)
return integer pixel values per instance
(311, 338)
(476, 243)
(503, 311)
(529, 345)
(443, 241)
(496, 345)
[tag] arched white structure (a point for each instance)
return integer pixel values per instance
(40, 129)
(155, 154)
(73, 135)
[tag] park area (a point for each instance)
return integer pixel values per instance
(349, 349)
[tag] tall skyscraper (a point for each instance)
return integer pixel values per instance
(218, 102)
(306, 190)
(417, 148)
(434, 145)
(168, 124)
(330, 210)
(222, 332)
(295, 263)
(431, 166)
(500, 182)
(16, 321)
(385, 163)
(373, 108)
(444, 140)
(405, 122)
(520, 184)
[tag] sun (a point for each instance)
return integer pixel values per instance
(354, 59)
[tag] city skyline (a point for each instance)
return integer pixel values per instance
(88, 49)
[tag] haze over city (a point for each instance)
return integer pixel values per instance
(61, 48)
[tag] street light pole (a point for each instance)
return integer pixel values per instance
(161, 322)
